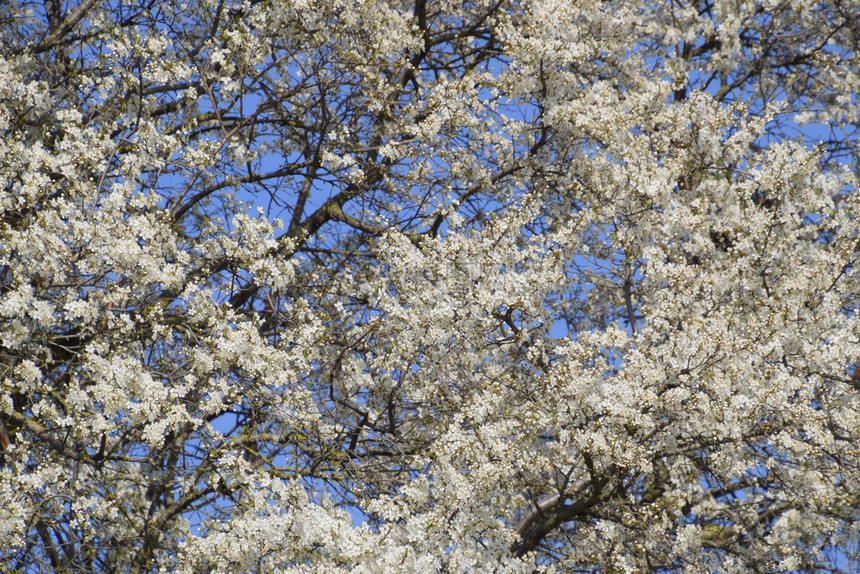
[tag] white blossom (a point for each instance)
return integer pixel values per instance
(379, 286)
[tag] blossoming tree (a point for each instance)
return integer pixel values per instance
(410, 286)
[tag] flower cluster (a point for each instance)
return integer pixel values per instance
(376, 286)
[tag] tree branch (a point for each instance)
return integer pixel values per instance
(552, 511)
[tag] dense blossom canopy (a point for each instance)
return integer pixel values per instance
(411, 286)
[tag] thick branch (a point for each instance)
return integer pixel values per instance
(71, 20)
(552, 511)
